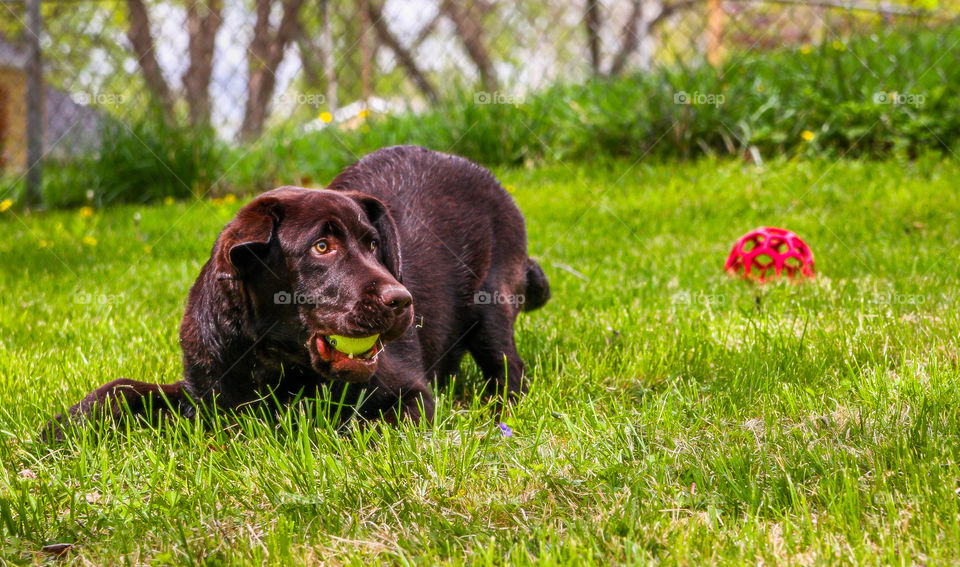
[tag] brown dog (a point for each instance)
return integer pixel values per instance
(404, 236)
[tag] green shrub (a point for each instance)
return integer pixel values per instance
(137, 162)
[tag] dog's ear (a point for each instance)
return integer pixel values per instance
(245, 242)
(383, 221)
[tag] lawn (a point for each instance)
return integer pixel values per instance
(677, 414)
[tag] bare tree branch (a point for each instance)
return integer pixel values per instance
(404, 57)
(671, 9)
(887, 8)
(265, 54)
(138, 32)
(467, 22)
(426, 32)
(629, 40)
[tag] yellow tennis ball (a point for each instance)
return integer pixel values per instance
(348, 345)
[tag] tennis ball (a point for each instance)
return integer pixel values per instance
(348, 345)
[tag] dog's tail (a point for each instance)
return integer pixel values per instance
(537, 292)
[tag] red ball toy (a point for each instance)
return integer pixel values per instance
(767, 253)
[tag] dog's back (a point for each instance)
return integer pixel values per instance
(464, 253)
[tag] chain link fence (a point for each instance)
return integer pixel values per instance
(240, 68)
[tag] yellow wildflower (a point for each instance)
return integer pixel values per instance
(86, 212)
(326, 117)
(364, 113)
(89, 241)
(229, 198)
(5, 205)
(839, 45)
(168, 201)
(807, 135)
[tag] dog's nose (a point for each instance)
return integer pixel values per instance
(396, 297)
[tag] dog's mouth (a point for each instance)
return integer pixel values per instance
(352, 359)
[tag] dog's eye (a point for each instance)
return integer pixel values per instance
(321, 247)
(373, 245)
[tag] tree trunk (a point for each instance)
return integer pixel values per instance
(138, 32)
(404, 57)
(592, 20)
(366, 52)
(467, 22)
(203, 22)
(329, 61)
(265, 54)
(629, 39)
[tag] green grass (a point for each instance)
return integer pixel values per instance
(677, 415)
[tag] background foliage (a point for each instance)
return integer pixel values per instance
(874, 80)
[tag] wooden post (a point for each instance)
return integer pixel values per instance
(35, 99)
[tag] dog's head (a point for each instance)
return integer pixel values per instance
(321, 271)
